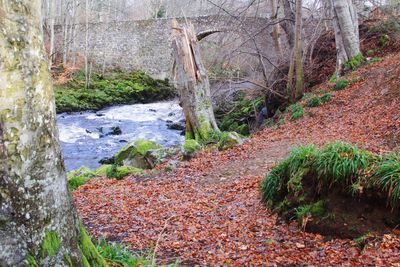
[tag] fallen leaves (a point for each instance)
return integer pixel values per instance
(208, 210)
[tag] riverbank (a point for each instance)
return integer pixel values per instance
(110, 89)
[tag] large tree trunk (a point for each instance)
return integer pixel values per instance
(295, 92)
(347, 38)
(192, 82)
(39, 225)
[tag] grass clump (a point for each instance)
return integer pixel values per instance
(115, 88)
(300, 185)
(120, 255)
(339, 162)
(316, 101)
(296, 111)
(355, 62)
(341, 84)
(387, 174)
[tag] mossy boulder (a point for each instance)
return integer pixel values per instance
(135, 154)
(229, 140)
(190, 148)
(160, 155)
(119, 172)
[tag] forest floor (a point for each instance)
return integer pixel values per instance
(208, 211)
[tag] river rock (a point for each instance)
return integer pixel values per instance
(158, 156)
(134, 154)
(107, 160)
(229, 140)
(176, 126)
(115, 131)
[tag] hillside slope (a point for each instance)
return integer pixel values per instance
(208, 210)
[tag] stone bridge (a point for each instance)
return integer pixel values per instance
(146, 44)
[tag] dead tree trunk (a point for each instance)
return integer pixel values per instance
(193, 85)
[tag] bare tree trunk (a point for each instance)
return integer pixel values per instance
(347, 38)
(39, 225)
(296, 62)
(276, 28)
(52, 18)
(193, 85)
(87, 44)
(288, 25)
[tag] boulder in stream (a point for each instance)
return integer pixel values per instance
(142, 154)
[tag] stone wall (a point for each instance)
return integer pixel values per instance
(146, 45)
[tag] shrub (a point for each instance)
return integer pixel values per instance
(341, 84)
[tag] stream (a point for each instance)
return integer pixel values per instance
(88, 137)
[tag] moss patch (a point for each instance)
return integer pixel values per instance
(90, 255)
(114, 88)
(79, 177)
(190, 148)
(31, 261)
(50, 244)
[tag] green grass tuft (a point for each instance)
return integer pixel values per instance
(50, 245)
(296, 111)
(339, 162)
(341, 84)
(355, 62)
(387, 173)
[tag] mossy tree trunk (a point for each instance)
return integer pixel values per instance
(193, 85)
(39, 225)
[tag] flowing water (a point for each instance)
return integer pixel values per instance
(86, 137)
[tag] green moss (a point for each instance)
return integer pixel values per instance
(102, 170)
(31, 261)
(68, 260)
(119, 172)
(228, 140)
(190, 148)
(50, 245)
(115, 88)
(139, 147)
(79, 177)
(90, 255)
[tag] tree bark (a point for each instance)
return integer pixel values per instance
(347, 38)
(39, 225)
(295, 92)
(193, 85)
(288, 25)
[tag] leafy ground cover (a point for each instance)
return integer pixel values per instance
(208, 211)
